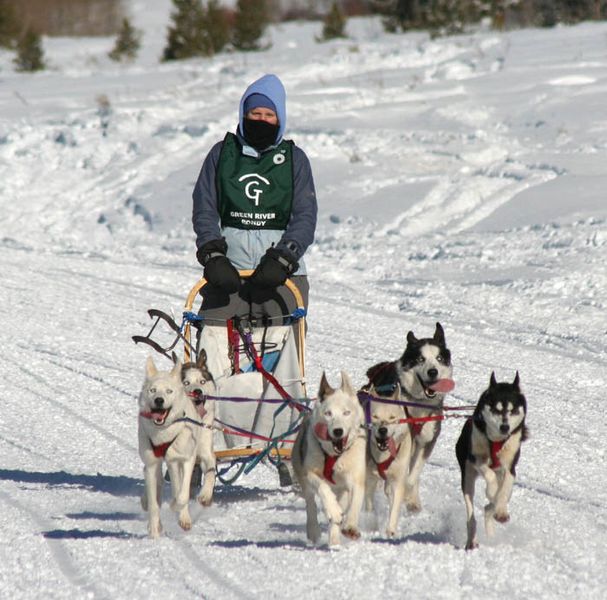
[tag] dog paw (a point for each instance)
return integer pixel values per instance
(501, 516)
(185, 523)
(473, 545)
(155, 530)
(204, 500)
(351, 533)
(414, 506)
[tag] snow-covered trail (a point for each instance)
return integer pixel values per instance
(75, 475)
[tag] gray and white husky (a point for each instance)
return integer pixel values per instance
(168, 433)
(388, 451)
(490, 445)
(424, 373)
(329, 461)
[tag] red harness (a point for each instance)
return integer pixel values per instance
(161, 449)
(495, 448)
(327, 472)
(384, 466)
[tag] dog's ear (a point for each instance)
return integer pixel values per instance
(517, 382)
(411, 339)
(346, 384)
(150, 367)
(202, 359)
(492, 380)
(176, 372)
(325, 389)
(439, 335)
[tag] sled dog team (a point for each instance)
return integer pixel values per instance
(349, 443)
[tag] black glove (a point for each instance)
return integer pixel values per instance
(273, 269)
(218, 270)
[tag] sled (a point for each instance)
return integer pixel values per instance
(259, 372)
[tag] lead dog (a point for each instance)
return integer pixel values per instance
(388, 451)
(199, 385)
(329, 461)
(168, 432)
(424, 373)
(490, 445)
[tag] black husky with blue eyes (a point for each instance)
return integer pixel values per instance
(490, 445)
(424, 373)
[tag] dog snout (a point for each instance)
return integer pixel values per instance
(158, 402)
(433, 373)
(504, 428)
(382, 432)
(338, 433)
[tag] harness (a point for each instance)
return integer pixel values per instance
(321, 433)
(382, 467)
(161, 450)
(495, 449)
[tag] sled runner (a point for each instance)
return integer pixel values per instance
(259, 373)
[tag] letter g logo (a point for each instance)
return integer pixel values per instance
(253, 189)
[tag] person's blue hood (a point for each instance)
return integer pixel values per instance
(270, 86)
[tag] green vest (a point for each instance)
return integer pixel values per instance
(255, 193)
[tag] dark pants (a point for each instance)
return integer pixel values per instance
(252, 303)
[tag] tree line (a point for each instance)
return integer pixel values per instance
(202, 28)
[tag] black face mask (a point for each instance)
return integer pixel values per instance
(259, 134)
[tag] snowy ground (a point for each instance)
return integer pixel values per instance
(460, 180)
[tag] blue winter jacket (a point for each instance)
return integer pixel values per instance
(246, 247)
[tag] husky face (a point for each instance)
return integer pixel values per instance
(501, 409)
(424, 362)
(196, 378)
(162, 394)
(386, 429)
(337, 416)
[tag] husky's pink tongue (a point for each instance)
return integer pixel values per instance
(443, 385)
(321, 431)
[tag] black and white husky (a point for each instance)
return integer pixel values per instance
(424, 373)
(490, 445)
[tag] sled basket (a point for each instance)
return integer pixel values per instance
(259, 373)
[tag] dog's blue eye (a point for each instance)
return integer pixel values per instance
(347, 412)
(169, 391)
(439, 358)
(152, 390)
(421, 359)
(514, 411)
(186, 382)
(328, 414)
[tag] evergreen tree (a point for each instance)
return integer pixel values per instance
(127, 43)
(250, 23)
(30, 56)
(217, 26)
(9, 25)
(334, 23)
(188, 36)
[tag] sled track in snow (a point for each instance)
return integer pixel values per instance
(73, 575)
